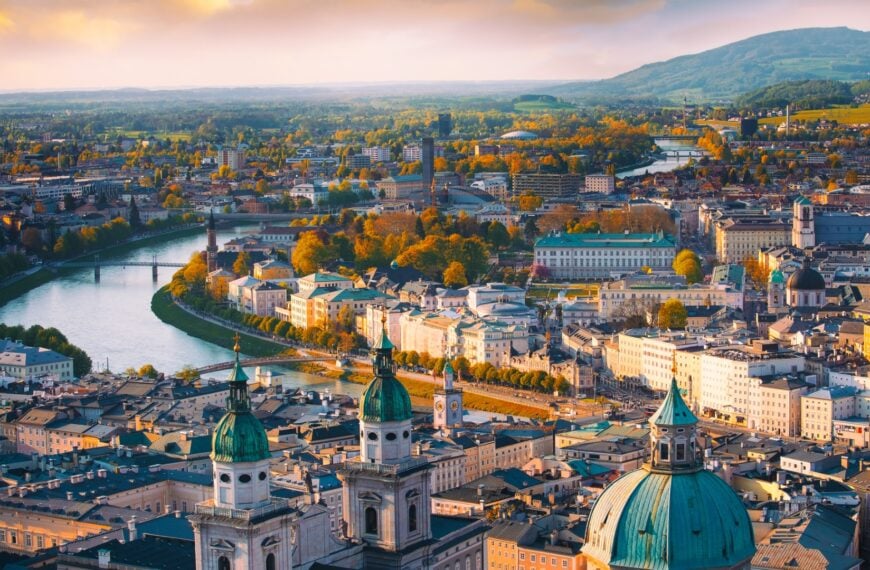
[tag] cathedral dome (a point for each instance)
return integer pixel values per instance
(385, 400)
(239, 437)
(656, 520)
(671, 513)
(806, 279)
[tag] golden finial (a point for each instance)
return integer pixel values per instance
(674, 364)
(237, 348)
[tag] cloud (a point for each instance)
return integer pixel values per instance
(78, 27)
(6, 22)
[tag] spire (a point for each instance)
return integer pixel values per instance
(382, 351)
(238, 400)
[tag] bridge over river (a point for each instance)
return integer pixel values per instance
(96, 263)
(275, 360)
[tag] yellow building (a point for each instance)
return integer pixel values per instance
(520, 545)
(25, 529)
(272, 270)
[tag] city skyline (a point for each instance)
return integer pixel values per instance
(220, 43)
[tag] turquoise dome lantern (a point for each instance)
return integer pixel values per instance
(384, 399)
(671, 513)
(239, 437)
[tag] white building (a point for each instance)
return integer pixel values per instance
(377, 153)
(412, 153)
(726, 374)
(231, 157)
(603, 183)
(648, 354)
(25, 363)
(595, 256)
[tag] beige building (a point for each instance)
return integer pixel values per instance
(645, 292)
(328, 305)
(300, 309)
(774, 405)
(819, 409)
(737, 240)
(648, 355)
(272, 270)
(251, 295)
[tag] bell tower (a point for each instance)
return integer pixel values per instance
(211, 249)
(242, 527)
(448, 403)
(803, 229)
(386, 494)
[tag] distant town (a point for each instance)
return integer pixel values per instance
(555, 336)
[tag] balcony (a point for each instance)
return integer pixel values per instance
(384, 469)
(241, 514)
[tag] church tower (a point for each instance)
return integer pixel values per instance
(803, 229)
(242, 527)
(775, 291)
(386, 494)
(448, 403)
(211, 249)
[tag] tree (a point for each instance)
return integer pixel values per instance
(688, 264)
(310, 253)
(188, 374)
(135, 219)
(147, 371)
(672, 315)
(497, 235)
(242, 264)
(529, 201)
(69, 202)
(31, 239)
(454, 275)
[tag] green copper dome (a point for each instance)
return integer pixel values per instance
(662, 521)
(776, 276)
(385, 400)
(239, 437)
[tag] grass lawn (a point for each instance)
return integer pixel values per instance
(170, 313)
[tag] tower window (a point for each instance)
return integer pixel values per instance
(371, 516)
(391, 436)
(225, 478)
(270, 561)
(262, 475)
(405, 434)
(244, 478)
(663, 452)
(681, 452)
(412, 518)
(224, 563)
(373, 436)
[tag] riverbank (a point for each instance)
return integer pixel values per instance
(14, 288)
(165, 309)
(222, 335)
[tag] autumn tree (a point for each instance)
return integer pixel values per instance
(756, 272)
(529, 201)
(242, 265)
(454, 275)
(310, 254)
(148, 371)
(688, 264)
(672, 315)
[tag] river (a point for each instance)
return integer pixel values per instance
(112, 321)
(676, 155)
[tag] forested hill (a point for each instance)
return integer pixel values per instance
(725, 72)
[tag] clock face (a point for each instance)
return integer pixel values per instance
(454, 406)
(439, 406)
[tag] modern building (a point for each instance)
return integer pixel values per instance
(401, 187)
(547, 185)
(428, 160)
(377, 153)
(670, 513)
(603, 183)
(357, 161)
(234, 158)
(597, 255)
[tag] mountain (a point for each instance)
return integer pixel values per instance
(805, 94)
(721, 73)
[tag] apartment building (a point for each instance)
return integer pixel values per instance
(819, 409)
(596, 256)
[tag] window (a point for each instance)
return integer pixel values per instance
(270, 562)
(373, 436)
(663, 451)
(371, 516)
(224, 563)
(244, 478)
(262, 476)
(412, 518)
(681, 452)
(391, 436)
(225, 478)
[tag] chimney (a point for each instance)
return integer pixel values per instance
(178, 514)
(554, 537)
(90, 475)
(69, 496)
(131, 528)
(102, 473)
(480, 490)
(104, 557)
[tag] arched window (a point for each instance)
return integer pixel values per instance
(270, 562)
(224, 563)
(412, 518)
(371, 521)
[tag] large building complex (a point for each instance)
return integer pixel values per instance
(597, 255)
(547, 185)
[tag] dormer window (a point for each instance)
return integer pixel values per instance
(663, 451)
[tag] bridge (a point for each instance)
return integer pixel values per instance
(96, 263)
(677, 137)
(276, 360)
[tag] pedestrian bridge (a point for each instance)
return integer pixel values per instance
(97, 263)
(275, 360)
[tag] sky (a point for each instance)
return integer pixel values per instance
(100, 44)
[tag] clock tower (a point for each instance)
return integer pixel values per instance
(448, 403)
